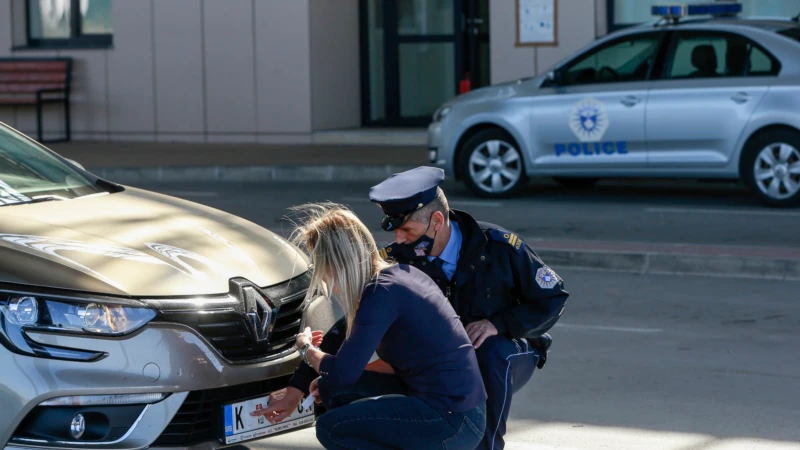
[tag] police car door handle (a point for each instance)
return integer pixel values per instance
(630, 100)
(740, 97)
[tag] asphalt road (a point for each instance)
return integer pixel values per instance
(647, 211)
(639, 361)
(659, 362)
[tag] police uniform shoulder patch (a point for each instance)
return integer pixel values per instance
(386, 252)
(505, 236)
(547, 278)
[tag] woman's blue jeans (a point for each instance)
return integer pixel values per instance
(396, 422)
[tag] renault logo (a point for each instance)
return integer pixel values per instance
(259, 313)
(258, 310)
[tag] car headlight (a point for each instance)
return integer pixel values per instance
(22, 312)
(34, 312)
(441, 113)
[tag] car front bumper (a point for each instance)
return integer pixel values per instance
(161, 358)
(438, 153)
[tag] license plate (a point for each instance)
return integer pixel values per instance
(240, 426)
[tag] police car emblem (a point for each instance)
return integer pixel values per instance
(589, 120)
(546, 278)
(420, 248)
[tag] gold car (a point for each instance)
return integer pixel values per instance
(131, 319)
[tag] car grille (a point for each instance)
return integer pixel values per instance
(227, 330)
(200, 417)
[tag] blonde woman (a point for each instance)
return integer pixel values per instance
(398, 312)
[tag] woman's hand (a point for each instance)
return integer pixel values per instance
(309, 337)
(303, 338)
(281, 404)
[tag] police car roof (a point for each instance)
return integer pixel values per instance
(763, 23)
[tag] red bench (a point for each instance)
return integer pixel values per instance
(34, 82)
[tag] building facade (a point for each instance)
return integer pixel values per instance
(281, 70)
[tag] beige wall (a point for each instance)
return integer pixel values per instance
(579, 23)
(335, 64)
(186, 70)
(284, 69)
(247, 70)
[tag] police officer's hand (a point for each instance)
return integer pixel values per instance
(281, 404)
(313, 389)
(479, 331)
(380, 366)
(316, 338)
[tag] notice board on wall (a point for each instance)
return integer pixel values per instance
(536, 22)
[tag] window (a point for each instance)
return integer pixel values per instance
(622, 13)
(719, 55)
(628, 59)
(69, 23)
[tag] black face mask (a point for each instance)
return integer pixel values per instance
(419, 248)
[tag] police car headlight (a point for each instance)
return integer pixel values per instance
(441, 113)
(86, 316)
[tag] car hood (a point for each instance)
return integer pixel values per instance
(523, 86)
(139, 243)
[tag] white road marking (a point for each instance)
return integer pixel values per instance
(473, 203)
(604, 328)
(737, 212)
(192, 194)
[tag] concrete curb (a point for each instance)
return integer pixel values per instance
(658, 263)
(675, 264)
(252, 174)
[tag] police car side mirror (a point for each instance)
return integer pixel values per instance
(554, 78)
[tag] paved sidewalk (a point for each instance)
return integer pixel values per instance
(133, 162)
(772, 263)
(658, 258)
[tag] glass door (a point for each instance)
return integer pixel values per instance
(476, 45)
(417, 54)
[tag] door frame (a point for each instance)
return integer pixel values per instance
(472, 45)
(391, 45)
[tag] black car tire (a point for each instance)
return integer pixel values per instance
(752, 161)
(508, 155)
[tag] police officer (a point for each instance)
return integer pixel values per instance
(505, 295)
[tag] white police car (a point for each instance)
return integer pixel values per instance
(702, 97)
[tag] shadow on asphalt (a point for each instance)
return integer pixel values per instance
(654, 192)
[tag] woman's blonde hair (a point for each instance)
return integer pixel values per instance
(343, 253)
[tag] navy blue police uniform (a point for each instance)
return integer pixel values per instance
(498, 277)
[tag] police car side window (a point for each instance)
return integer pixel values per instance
(714, 55)
(628, 59)
(761, 63)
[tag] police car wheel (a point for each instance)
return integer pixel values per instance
(576, 183)
(771, 167)
(491, 164)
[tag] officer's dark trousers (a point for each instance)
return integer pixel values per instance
(506, 365)
(394, 421)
